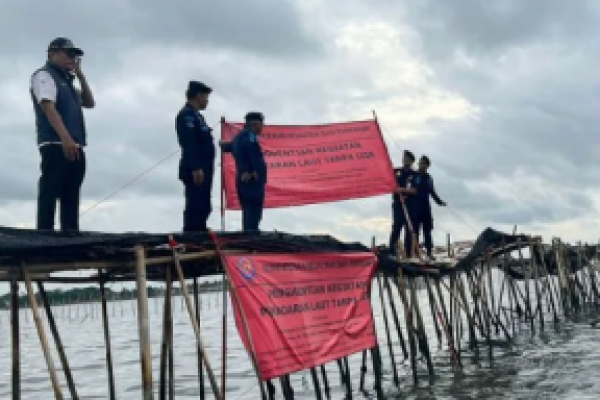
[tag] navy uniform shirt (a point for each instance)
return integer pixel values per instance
(196, 141)
(404, 179)
(248, 155)
(423, 182)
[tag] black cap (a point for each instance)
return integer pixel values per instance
(254, 116)
(195, 88)
(409, 154)
(425, 159)
(64, 44)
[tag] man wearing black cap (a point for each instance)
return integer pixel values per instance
(404, 194)
(423, 183)
(61, 133)
(251, 171)
(196, 167)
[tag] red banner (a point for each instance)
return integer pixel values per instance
(311, 164)
(303, 310)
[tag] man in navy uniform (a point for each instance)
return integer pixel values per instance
(423, 218)
(61, 133)
(251, 171)
(404, 193)
(196, 167)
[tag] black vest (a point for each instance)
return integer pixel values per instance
(68, 106)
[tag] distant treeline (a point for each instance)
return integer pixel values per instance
(92, 294)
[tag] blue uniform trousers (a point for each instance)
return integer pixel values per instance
(400, 222)
(252, 201)
(424, 221)
(198, 206)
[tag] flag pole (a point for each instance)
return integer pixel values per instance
(222, 181)
(225, 285)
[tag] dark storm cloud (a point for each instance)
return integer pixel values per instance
(137, 69)
(489, 28)
(526, 67)
(260, 27)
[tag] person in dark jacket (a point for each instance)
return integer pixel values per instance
(423, 183)
(251, 171)
(61, 133)
(404, 193)
(196, 167)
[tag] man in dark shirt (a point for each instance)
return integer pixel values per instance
(251, 171)
(196, 167)
(61, 133)
(404, 193)
(423, 183)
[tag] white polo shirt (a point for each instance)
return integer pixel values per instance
(44, 88)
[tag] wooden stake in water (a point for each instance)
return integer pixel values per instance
(106, 329)
(143, 325)
(59, 346)
(43, 340)
(200, 342)
(16, 354)
(387, 332)
(199, 354)
(165, 345)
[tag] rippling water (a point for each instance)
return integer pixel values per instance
(561, 363)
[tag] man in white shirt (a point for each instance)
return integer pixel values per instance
(61, 133)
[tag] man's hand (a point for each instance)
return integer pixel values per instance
(77, 67)
(70, 148)
(198, 176)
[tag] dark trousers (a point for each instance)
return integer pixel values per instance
(61, 180)
(399, 222)
(424, 221)
(252, 210)
(198, 205)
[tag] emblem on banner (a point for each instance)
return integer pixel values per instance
(246, 268)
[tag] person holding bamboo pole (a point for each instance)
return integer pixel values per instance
(402, 204)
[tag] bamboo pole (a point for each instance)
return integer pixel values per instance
(144, 329)
(387, 332)
(223, 336)
(188, 303)
(395, 316)
(409, 324)
(199, 354)
(58, 342)
(421, 334)
(165, 345)
(43, 340)
(16, 353)
(49, 267)
(106, 329)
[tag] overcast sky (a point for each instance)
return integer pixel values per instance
(502, 95)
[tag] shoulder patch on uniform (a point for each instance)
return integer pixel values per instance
(190, 121)
(252, 137)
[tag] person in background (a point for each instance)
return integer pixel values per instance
(251, 170)
(423, 218)
(61, 133)
(404, 193)
(196, 166)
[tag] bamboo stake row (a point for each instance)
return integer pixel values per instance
(483, 305)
